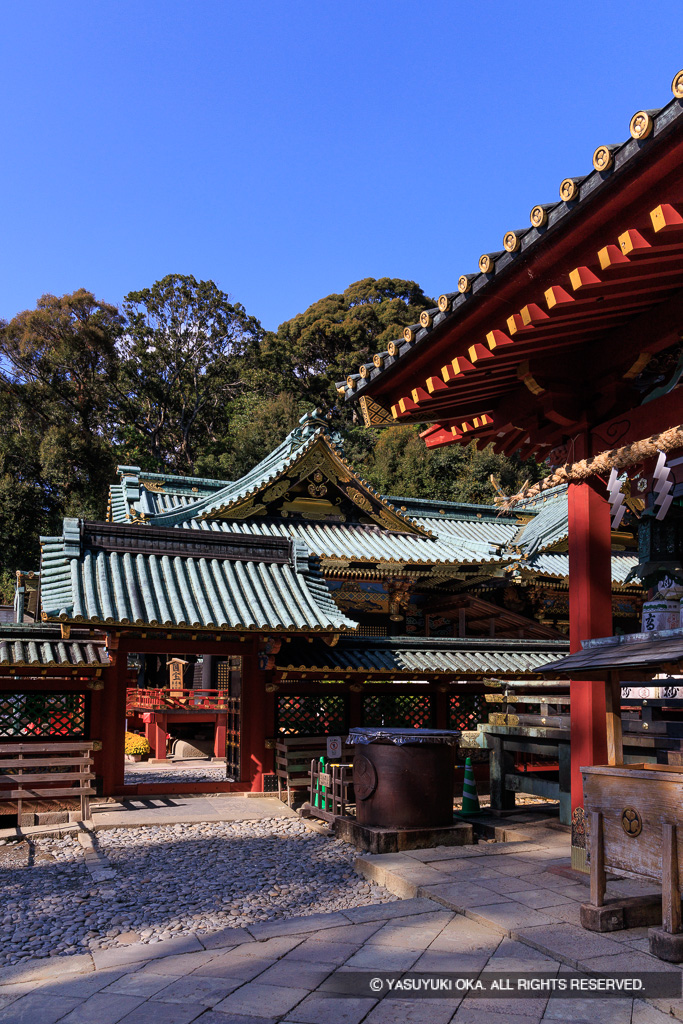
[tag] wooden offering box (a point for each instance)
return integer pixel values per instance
(632, 811)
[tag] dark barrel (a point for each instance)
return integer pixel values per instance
(403, 778)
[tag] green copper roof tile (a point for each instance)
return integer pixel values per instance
(212, 588)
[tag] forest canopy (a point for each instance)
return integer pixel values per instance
(181, 379)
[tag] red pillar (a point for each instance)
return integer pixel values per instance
(160, 737)
(220, 736)
(253, 723)
(590, 615)
(113, 724)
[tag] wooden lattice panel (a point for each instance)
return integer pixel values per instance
(42, 714)
(466, 711)
(398, 711)
(311, 715)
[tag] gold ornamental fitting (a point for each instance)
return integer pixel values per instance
(350, 382)
(631, 822)
(392, 348)
(677, 86)
(538, 216)
(641, 125)
(603, 158)
(569, 189)
(425, 318)
(464, 284)
(377, 359)
(363, 370)
(444, 303)
(409, 334)
(511, 241)
(485, 263)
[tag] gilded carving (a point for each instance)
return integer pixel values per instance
(153, 485)
(317, 490)
(359, 499)
(374, 415)
(279, 488)
(243, 511)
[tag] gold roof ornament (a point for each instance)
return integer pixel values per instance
(409, 334)
(538, 216)
(569, 189)
(464, 283)
(444, 304)
(677, 85)
(511, 241)
(603, 158)
(425, 319)
(392, 348)
(486, 263)
(641, 124)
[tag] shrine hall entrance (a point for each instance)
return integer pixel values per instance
(188, 709)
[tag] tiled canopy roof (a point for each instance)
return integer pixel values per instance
(399, 656)
(105, 573)
(43, 646)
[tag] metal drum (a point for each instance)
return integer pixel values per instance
(403, 778)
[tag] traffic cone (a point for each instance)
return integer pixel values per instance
(470, 798)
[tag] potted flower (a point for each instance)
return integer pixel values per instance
(136, 747)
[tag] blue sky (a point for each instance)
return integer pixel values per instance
(287, 149)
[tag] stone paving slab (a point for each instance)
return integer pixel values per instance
(289, 972)
(570, 943)
(254, 997)
(297, 925)
(38, 1008)
(104, 1008)
(144, 951)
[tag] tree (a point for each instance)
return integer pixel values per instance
(58, 364)
(187, 351)
(334, 335)
(258, 423)
(396, 462)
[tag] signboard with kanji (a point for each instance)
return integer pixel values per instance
(175, 668)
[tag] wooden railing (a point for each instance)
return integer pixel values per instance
(178, 700)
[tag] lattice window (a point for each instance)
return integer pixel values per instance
(229, 675)
(311, 715)
(398, 711)
(43, 714)
(466, 711)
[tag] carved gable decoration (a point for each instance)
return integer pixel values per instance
(318, 485)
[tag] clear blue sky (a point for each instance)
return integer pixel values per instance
(285, 149)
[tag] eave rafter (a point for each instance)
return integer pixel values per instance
(642, 270)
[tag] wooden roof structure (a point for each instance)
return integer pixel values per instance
(595, 281)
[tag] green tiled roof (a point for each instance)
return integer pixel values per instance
(429, 533)
(401, 656)
(104, 573)
(44, 646)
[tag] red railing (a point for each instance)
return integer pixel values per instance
(177, 700)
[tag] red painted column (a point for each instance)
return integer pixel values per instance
(253, 723)
(160, 737)
(113, 724)
(590, 615)
(151, 733)
(220, 735)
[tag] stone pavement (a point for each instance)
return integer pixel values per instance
(290, 971)
(163, 810)
(504, 906)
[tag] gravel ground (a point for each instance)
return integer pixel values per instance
(212, 773)
(171, 880)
